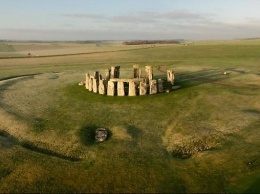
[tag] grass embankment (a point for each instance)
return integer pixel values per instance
(201, 138)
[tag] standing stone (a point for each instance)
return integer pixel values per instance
(90, 84)
(110, 88)
(101, 87)
(173, 78)
(107, 74)
(87, 81)
(149, 72)
(142, 88)
(112, 72)
(99, 77)
(96, 75)
(95, 85)
(153, 87)
(117, 71)
(160, 85)
(132, 90)
(170, 76)
(120, 88)
(137, 71)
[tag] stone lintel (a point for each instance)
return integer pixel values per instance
(127, 80)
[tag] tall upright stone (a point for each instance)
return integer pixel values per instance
(117, 71)
(170, 76)
(87, 81)
(142, 89)
(100, 77)
(90, 84)
(160, 85)
(101, 87)
(107, 74)
(112, 72)
(110, 88)
(96, 75)
(153, 87)
(137, 71)
(120, 88)
(132, 89)
(95, 85)
(149, 72)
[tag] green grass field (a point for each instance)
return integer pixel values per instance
(203, 137)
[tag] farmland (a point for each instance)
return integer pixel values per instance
(47, 121)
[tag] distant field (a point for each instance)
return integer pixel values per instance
(203, 137)
(14, 49)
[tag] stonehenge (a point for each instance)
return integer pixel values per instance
(112, 85)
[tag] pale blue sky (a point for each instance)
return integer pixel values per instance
(128, 19)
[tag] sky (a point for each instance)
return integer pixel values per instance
(129, 19)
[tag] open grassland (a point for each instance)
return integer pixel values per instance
(16, 49)
(201, 138)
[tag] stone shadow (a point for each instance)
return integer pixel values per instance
(134, 131)
(214, 76)
(8, 141)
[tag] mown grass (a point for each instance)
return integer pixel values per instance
(217, 125)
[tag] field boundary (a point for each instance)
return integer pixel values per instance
(72, 54)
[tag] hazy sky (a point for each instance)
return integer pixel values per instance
(128, 19)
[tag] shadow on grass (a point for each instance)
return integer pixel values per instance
(87, 134)
(254, 188)
(4, 173)
(252, 111)
(6, 140)
(214, 76)
(30, 146)
(133, 131)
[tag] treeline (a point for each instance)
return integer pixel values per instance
(137, 42)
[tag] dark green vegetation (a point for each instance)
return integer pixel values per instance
(203, 137)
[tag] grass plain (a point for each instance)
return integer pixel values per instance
(201, 138)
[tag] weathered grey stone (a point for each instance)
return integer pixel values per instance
(115, 72)
(101, 87)
(96, 74)
(107, 74)
(127, 80)
(160, 85)
(176, 87)
(99, 77)
(132, 89)
(87, 81)
(95, 85)
(120, 88)
(170, 76)
(153, 87)
(149, 72)
(142, 88)
(110, 88)
(137, 71)
(90, 84)
(112, 72)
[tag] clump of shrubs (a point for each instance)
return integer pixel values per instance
(187, 149)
